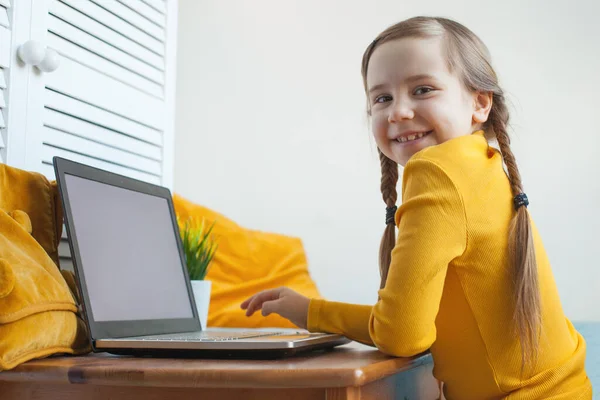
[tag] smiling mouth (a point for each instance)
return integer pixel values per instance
(414, 137)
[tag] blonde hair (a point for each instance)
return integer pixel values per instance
(468, 55)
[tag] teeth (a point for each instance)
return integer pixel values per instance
(411, 137)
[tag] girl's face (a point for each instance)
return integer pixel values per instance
(416, 102)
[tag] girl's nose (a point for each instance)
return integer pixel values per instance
(401, 110)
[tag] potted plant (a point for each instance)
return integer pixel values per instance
(199, 248)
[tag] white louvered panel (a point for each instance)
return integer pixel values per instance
(132, 17)
(67, 123)
(49, 151)
(5, 40)
(109, 102)
(106, 93)
(4, 21)
(104, 41)
(64, 255)
(119, 26)
(2, 105)
(158, 5)
(102, 118)
(145, 11)
(48, 170)
(63, 247)
(64, 251)
(102, 65)
(2, 112)
(2, 89)
(100, 151)
(4, 47)
(99, 48)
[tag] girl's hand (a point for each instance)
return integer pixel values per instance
(283, 301)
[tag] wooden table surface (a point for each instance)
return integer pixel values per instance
(350, 371)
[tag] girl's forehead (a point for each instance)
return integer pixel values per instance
(402, 58)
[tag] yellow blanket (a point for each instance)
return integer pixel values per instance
(38, 312)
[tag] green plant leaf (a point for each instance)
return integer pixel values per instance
(199, 246)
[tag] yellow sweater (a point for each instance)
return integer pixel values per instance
(449, 285)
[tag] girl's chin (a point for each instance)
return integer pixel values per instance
(404, 151)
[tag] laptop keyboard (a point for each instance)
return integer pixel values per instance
(207, 336)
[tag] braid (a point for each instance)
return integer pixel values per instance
(499, 122)
(521, 247)
(389, 179)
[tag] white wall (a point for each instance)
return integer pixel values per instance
(271, 131)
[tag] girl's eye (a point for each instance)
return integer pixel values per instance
(383, 98)
(423, 90)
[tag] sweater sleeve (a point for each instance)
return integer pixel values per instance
(432, 232)
(350, 320)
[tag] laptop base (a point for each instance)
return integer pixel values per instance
(249, 354)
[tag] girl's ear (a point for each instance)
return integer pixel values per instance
(482, 105)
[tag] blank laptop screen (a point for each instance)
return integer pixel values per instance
(129, 254)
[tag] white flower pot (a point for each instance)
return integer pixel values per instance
(201, 291)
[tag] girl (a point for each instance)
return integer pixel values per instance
(468, 276)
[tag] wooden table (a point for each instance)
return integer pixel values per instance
(352, 371)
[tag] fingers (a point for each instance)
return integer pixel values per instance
(270, 307)
(245, 303)
(256, 302)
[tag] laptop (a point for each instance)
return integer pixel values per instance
(130, 269)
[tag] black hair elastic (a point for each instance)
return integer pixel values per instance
(390, 213)
(521, 200)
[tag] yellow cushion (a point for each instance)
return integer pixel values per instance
(248, 261)
(38, 313)
(31, 193)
